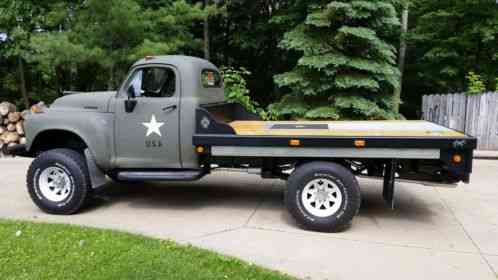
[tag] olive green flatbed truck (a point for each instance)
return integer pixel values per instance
(169, 122)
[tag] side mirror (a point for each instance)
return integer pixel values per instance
(131, 92)
(131, 102)
(130, 105)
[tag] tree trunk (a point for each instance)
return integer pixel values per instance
(22, 82)
(226, 42)
(73, 73)
(401, 58)
(110, 83)
(58, 78)
(207, 55)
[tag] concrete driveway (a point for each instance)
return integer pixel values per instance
(433, 233)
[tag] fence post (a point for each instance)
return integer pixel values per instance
(465, 115)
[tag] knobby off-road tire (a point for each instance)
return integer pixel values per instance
(58, 181)
(323, 196)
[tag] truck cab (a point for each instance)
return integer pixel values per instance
(169, 121)
(155, 111)
(147, 123)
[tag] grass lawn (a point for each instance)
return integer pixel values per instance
(47, 251)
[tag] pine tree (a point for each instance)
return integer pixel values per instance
(451, 39)
(108, 36)
(347, 68)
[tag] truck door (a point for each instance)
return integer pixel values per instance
(148, 135)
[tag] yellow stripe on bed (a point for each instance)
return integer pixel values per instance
(344, 128)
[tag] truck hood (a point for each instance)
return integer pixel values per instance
(85, 101)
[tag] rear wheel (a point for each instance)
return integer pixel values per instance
(58, 181)
(323, 196)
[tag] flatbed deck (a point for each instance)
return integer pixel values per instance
(241, 133)
(417, 150)
(345, 128)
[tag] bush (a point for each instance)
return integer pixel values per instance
(236, 89)
(475, 83)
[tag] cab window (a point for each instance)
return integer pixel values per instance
(211, 79)
(153, 82)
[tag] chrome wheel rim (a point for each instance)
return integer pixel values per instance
(321, 197)
(55, 184)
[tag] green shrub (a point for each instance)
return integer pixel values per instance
(475, 83)
(236, 89)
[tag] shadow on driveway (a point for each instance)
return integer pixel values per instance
(187, 196)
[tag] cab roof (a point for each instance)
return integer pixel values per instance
(190, 69)
(176, 60)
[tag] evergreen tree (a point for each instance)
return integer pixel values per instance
(19, 21)
(450, 39)
(106, 37)
(347, 68)
(245, 35)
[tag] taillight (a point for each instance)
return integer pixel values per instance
(456, 159)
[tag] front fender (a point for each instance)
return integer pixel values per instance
(94, 128)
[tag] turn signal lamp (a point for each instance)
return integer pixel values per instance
(359, 143)
(457, 159)
(36, 109)
(199, 149)
(294, 142)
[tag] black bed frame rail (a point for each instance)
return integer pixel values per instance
(457, 143)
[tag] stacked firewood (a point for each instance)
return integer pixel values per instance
(11, 126)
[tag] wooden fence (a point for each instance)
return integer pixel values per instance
(476, 115)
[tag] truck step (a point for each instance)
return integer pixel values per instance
(170, 175)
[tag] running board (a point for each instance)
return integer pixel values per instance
(180, 175)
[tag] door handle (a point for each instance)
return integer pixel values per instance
(169, 108)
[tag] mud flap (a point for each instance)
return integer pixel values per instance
(389, 179)
(97, 177)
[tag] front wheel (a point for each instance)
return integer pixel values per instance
(58, 181)
(323, 196)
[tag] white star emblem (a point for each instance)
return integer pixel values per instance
(153, 126)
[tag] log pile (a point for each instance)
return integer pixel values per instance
(11, 126)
